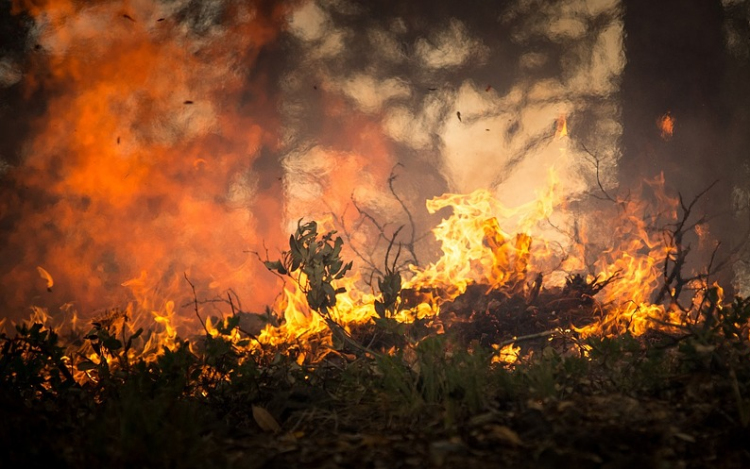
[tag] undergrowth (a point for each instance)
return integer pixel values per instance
(199, 403)
(189, 403)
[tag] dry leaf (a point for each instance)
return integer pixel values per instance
(265, 420)
(46, 276)
(505, 434)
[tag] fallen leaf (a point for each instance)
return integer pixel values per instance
(536, 405)
(561, 406)
(265, 420)
(505, 434)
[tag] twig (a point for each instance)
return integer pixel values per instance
(341, 332)
(410, 244)
(522, 338)
(598, 179)
(367, 260)
(195, 303)
(674, 282)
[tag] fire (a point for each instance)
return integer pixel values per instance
(562, 127)
(478, 245)
(144, 154)
(665, 124)
(308, 329)
(159, 183)
(483, 242)
(506, 355)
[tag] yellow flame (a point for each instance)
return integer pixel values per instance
(477, 244)
(562, 127)
(506, 355)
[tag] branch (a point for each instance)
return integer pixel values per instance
(522, 338)
(598, 179)
(674, 282)
(410, 244)
(195, 302)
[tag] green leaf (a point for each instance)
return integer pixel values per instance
(293, 246)
(380, 308)
(275, 265)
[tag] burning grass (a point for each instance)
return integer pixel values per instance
(521, 344)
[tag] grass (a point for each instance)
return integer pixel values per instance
(660, 400)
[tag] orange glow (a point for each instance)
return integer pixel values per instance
(666, 126)
(483, 242)
(146, 166)
(142, 155)
(506, 355)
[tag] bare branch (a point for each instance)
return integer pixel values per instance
(597, 164)
(195, 302)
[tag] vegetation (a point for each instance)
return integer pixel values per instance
(405, 397)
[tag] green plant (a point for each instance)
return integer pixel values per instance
(32, 364)
(314, 262)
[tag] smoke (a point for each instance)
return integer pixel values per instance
(165, 138)
(140, 168)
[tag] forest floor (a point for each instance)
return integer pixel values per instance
(433, 393)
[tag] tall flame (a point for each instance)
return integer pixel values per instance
(145, 158)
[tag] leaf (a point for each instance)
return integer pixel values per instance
(505, 434)
(265, 420)
(112, 344)
(85, 366)
(380, 308)
(275, 265)
(137, 334)
(46, 276)
(293, 246)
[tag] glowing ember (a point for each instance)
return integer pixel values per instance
(506, 355)
(666, 126)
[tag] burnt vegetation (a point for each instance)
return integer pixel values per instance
(439, 391)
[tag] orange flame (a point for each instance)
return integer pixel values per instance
(143, 157)
(665, 124)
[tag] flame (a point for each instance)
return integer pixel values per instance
(309, 330)
(665, 123)
(505, 355)
(476, 243)
(483, 242)
(143, 159)
(562, 127)
(146, 161)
